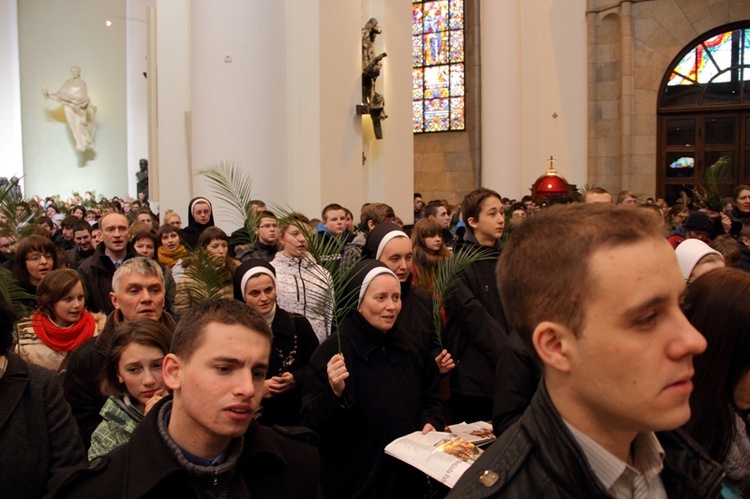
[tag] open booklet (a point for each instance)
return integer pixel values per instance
(443, 456)
(477, 433)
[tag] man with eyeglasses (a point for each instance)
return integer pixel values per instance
(266, 233)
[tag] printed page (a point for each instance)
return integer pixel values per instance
(443, 456)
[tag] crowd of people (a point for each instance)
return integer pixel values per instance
(606, 339)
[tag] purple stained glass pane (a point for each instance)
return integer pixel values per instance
(457, 46)
(417, 84)
(436, 115)
(457, 80)
(435, 49)
(416, 19)
(417, 54)
(457, 114)
(457, 14)
(416, 121)
(435, 16)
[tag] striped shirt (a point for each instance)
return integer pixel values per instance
(622, 481)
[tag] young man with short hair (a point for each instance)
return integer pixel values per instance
(617, 359)
(437, 211)
(65, 238)
(597, 195)
(332, 228)
(203, 441)
(372, 214)
(83, 247)
(476, 327)
(266, 233)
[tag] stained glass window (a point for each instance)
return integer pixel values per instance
(438, 65)
(715, 71)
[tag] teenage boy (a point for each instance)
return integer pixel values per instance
(266, 233)
(332, 228)
(476, 327)
(617, 359)
(83, 247)
(203, 441)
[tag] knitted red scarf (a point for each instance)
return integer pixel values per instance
(63, 339)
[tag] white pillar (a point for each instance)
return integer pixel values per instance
(11, 147)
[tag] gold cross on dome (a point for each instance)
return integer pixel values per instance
(551, 160)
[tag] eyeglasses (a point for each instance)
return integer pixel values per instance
(268, 226)
(35, 257)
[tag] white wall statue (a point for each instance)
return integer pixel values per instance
(79, 111)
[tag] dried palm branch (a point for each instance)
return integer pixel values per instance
(441, 280)
(707, 191)
(204, 278)
(17, 216)
(15, 295)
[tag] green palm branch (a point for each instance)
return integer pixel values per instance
(15, 295)
(204, 278)
(16, 214)
(441, 280)
(235, 188)
(707, 191)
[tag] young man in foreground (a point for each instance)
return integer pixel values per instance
(598, 303)
(203, 441)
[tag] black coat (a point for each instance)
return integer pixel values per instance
(84, 375)
(516, 379)
(476, 327)
(539, 457)
(416, 316)
(38, 436)
(391, 391)
(270, 465)
(96, 272)
(291, 333)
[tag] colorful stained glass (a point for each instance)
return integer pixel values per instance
(436, 16)
(457, 14)
(416, 19)
(416, 120)
(437, 57)
(436, 82)
(417, 84)
(716, 57)
(457, 114)
(683, 162)
(416, 51)
(746, 47)
(435, 48)
(457, 46)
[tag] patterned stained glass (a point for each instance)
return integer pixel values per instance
(717, 59)
(438, 54)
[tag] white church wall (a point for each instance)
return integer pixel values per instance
(53, 36)
(11, 150)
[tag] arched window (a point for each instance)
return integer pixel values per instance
(438, 65)
(704, 114)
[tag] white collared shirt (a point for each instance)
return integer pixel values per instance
(622, 481)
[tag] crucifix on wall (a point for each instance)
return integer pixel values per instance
(373, 103)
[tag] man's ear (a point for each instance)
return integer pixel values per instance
(113, 298)
(170, 371)
(745, 241)
(370, 225)
(472, 222)
(552, 342)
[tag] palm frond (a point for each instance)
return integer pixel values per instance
(15, 295)
(16, 214)
(707, 191)
(441, 280)
(204, 278)
(235, 188)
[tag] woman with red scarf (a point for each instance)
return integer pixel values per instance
(60, 324)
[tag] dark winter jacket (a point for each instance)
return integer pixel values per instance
(294, 342)
(75, 257)
(391, 391)
(516, 379)
(83, 376)
(476, 327)
(265, 464)
(96, 272)
(539, 457)
(416, 316)
(38, 436)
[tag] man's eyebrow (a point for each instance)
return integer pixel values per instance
(237, 362)
(642, 307)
